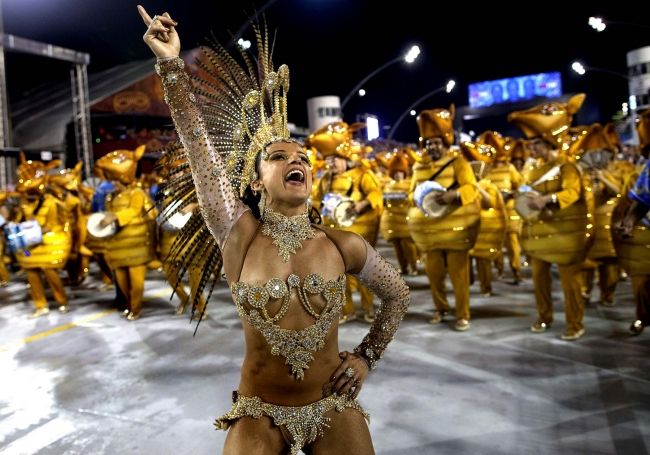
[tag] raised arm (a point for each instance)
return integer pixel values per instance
(220, 206)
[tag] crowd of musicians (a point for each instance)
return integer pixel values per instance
(565, 196)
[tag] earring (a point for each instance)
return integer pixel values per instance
(262, 204)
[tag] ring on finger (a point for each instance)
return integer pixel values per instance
(349, 372)
(155, 18)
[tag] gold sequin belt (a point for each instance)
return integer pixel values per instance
(304, 423)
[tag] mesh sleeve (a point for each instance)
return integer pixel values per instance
(385, 281)
(220, 206)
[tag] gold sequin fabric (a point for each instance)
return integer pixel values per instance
(304, 423)
(296, 346)
(287, 232)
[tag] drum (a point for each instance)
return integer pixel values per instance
(395, 197)
(94, 228)
(334, 210)
(522, 200)
(175, 222)
(424, 196)
(20, 236)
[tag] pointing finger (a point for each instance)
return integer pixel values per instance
(145, 17)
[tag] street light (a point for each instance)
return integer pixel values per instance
(448, 87)
(582, 69)
(409, 58)
(599, 24)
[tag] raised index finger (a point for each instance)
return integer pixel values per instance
(145, 17)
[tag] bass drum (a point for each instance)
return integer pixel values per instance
(96, 230)
(22, 236)
(424, 196)
(335, 211)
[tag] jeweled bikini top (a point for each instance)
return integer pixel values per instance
(296, 346)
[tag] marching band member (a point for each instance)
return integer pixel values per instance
(355, 181)
(131, 248)
(445, 241)
(632, 226)
(393, 225)
(51, 255)
(561, 233)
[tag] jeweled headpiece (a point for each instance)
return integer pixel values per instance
(244, 105)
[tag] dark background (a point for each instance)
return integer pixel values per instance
(330, 45)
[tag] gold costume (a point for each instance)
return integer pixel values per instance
(446, 241)
(130, 250)
(357, 184)
(50, 256)
(559, 236)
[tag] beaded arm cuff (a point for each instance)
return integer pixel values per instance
(385, 281)
(220, 206)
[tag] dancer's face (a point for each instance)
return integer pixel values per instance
(285, 173)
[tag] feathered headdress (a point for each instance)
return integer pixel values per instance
(244, 105)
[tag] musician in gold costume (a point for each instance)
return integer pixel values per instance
(593, 152)
(51, 255)
(632, 230)
(393, 225)
(560, 234)
(350, 176)
(445, 241)
(66, 185)
(130, 250)
(492, 230)
(507, 178)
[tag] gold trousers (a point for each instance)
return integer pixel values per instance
(131, 283)
(37, 289)
(351, 284)
(608, 275)
(513, 249)
(484, 270)
(4, 274)
(641, 290)
(407, 253)
(571, 280)
(456, 262)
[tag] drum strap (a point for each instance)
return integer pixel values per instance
(444, 166)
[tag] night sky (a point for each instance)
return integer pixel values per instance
(330, 45)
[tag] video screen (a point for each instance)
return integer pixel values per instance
(513, 89)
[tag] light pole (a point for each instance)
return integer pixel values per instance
(448, 87)
(409, 58)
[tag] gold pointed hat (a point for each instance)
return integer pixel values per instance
(517, 150)
(398, 163)
(120, 165)
(591, 138)
(33, 175)
(643, 128)
(495, 140)
(332, 139)
(549, 121)
(437, 123)
(475, 151)
(69, 179)
(612, 136)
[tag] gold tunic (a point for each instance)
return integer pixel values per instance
(507, 179)
(134, 242)
(493, 225)
(560, 236)
(53, 252)
(393, 224)
(459, 228)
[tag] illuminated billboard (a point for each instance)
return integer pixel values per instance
(513, 89)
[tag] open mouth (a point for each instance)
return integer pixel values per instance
(295, 176)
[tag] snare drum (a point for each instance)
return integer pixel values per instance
(20, 236)
(424, 196)
(94, 228)
(334, 210)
